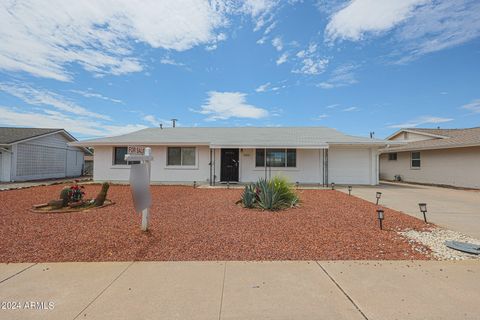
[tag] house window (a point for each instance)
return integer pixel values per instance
(415, 160)
(119, 156)
(278, 158)
(181, 156)
(392, 156)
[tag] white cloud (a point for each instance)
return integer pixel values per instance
(260, 10)
(332, 106)
(350, 109)
(439, 25)
(263, 87)
(282, 59)
(43, 38)
(44, 98)
(340, 77)
(226, 105)
(154, 121)
(172, 62)
(473, 106)
(361, 17)
(311, 66)
(310, 61)
(277, 43)
(419, 26)
(420, 121)
(320, 117)
(91, 94)
(54, 119)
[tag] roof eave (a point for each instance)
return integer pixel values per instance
(467, 145)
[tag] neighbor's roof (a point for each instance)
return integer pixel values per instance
(10, 135)
(446, 138)
(306, 137)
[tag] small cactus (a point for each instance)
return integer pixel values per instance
(65, 196)
(102, 195)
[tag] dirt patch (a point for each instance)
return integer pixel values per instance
(201, 224)
(45, 209)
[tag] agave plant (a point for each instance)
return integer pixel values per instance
(273, 194)
(249, 196)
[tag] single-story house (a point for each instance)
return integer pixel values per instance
(448, 157)
(37, 153)
(308, 155)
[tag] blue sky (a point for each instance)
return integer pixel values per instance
(100, 69)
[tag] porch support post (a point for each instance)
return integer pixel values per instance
(211, 166)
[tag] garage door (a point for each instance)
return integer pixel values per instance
(349, 166)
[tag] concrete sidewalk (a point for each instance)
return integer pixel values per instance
(242, 290)
(458, 210)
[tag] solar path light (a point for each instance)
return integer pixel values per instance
(296, 184)
(194, 184)
(423, 209)
(380, 217)
(333, 185)
(378, 196)
(349, 190)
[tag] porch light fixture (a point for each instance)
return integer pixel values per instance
(333, 185)
(378, 196)
(380, 217)
(423, 209)
(349, 190)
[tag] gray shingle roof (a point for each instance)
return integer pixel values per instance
(238, 136)
(453, 138)
(10, 135)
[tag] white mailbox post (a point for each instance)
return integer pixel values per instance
(140, 183)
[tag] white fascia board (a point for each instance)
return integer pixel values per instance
(213, 146)
(454, 146)
(136, 143)
(416, 132)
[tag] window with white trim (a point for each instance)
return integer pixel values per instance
(276, 158)
(415, 160)
(181, 156)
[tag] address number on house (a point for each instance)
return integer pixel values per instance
(136, 150)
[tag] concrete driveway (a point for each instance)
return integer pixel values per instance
(241, 290)
(457, 210)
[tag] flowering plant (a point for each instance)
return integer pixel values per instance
(76, 192)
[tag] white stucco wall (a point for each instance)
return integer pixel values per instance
(308, 169)
(458, 167)
(350, 165)
(346, 166)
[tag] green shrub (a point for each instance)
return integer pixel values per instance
(274, 194)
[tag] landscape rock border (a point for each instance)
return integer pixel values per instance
(106, 204)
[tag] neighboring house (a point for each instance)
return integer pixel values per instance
(309, 155)
(36, 153)
(434, 156)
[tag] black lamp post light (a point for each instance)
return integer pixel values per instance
(297, 184)
(380, 214)
(378, 196)
(333, 185)
(423, 209)
(349, 190)
(194, 184)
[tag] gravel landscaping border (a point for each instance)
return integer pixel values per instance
(435, 239)
(203, 224)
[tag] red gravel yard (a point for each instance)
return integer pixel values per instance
(200, 224)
